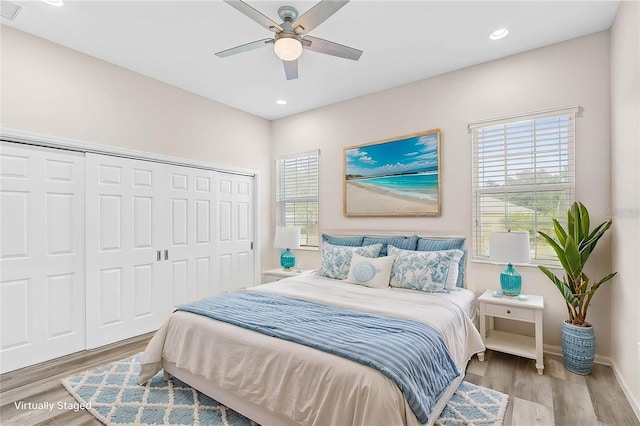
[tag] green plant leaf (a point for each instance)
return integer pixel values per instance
(585, 283)
(577, 222)
(589, 244)
(602, 281)
(557, 249)
(573, 259)
(570, 220)
(560, 232)
(585, 222)
(566, 292)
(598, 231)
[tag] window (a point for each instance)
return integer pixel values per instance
(297, 195)
(523, 177)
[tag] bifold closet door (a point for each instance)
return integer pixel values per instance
(42, 282)
(150, 244)
(190, 205)
(127, 291)
(235, 231)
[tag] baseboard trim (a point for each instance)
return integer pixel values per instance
(604, 360)
(557, 350)
(635, 404)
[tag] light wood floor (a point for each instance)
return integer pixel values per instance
(41, 383)
(555, 398)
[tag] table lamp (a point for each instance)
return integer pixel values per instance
(510, 247)
(287, 237)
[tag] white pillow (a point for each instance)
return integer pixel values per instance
(337, 259)
(430, 271)
(370, 272)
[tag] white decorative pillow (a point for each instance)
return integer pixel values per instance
(337, 259)
(370, 272)
(430, 271)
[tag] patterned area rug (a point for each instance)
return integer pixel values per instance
(114, 398)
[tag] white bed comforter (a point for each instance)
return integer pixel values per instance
(304, 384)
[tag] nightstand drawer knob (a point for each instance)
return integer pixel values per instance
(509, 311)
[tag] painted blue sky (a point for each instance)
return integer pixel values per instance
(417, 154)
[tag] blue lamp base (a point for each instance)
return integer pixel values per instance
(510, 281)
(287, 260)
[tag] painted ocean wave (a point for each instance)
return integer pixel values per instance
(419, 185)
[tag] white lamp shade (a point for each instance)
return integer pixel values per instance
(287, 237)
(288, 48)
(509, 247)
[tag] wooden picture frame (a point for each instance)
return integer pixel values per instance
(393, 177)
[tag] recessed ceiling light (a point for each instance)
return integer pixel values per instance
(56, 3)
(499, 34)
(281, 102)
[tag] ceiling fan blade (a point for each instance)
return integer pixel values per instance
(255, 15)
(330, 48)
(291, 69)
(317, 15)
(245, 47)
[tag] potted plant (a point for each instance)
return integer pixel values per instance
(573, 247)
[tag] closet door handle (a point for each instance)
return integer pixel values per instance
(166, 255)
(158, 256)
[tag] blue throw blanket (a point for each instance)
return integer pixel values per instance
(409, 352)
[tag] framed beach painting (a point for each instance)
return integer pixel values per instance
(394, 177)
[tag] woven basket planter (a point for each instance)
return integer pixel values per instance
(578, 348)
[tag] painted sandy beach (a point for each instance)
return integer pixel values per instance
(368, 199)
(394, 177)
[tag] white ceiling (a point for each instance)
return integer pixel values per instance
(403, 41)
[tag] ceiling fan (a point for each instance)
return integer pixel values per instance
(291, 36)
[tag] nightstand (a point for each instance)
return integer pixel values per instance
(513, 309)
(277, 274)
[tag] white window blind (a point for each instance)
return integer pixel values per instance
(523, 177)
(297, 195)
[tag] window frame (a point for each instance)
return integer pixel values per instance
(482, 229)
(310, 230)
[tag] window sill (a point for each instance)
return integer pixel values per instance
(308, 248)
(519, 265)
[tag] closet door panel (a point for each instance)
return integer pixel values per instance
(41, 254)
(235, 261)
(192, 246)
(126, 290)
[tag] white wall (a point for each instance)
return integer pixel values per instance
(625, 197)
(52, 90)
(569, 73)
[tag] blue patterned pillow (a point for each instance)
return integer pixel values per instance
(337, 240)
(429, 244)
(336, 260)
(406, 243)
(370, 272)
(430, 271)
(434, 244)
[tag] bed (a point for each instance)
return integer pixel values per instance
(275, 381)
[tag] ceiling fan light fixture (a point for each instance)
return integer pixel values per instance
(288, 48)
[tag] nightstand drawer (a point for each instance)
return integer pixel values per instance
(510, 312)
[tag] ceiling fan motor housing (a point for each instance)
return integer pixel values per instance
(288, 13)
